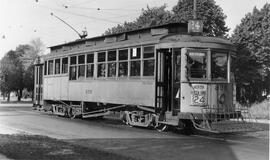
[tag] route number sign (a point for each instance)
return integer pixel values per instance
(199, 94)
(195, 26)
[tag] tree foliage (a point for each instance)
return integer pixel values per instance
(17, 68)
(11, 72)
(252, 66)
(211, 14)
(149, 17)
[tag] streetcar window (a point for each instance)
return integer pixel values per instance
(111, 55)
(73, 73)
(135, 68)
(90, 65)
(101, 56)
(148, 52)
(90, 70)
(148, 67)
(101, 72)
(50, 67)
(111, 69)
(81, 59)
(196, 63)
(90, 58)
(123, 54)
(148, 61)
(73, 60)
(123, 69)
(73, 68)
(81, 72)
(123, 63)
(135, 53)
(135, 64)
(112, 63)
(81, 67)
(45, 68)
(57, 66)
(219, 65)
(64, 65)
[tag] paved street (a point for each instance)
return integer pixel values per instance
(139, 143)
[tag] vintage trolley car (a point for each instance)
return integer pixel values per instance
(158, 76)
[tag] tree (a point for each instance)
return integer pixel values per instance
(149, 17)
(38, 47)
(211, 14)
(153, 16)
(11, 73)
(17, 68)
(207, 10)
(252, 67)
(29, 53)
(26, 57)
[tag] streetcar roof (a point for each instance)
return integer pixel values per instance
(165, 36)
(78, 41)
(186, 41)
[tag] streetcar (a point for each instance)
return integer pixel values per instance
(163, 76)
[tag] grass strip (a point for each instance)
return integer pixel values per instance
(42, 147)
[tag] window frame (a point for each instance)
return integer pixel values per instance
(81, 65)
(111, 62)
(62, 67)
(73, 65)
(213, 51)
(148, 59)
(100, 63)
(207, 56)
(59, 69)
(90, 63)
(123, 61)
(139, 59)
(49, 67)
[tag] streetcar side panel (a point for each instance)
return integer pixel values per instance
(130, 92)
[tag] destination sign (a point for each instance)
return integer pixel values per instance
(195, 26)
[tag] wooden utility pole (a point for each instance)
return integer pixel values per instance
(195, 9)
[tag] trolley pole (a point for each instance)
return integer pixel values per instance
(80, 35)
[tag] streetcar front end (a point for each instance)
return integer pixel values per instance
(201, 89)
(208, 91)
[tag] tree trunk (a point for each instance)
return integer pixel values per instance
(19, 95)
(8, 97)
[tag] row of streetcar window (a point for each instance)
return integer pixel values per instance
(131, 62)
(197, 65)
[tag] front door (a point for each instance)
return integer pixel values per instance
(168, 81)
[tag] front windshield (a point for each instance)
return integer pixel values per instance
(219, 66)
(196, 64)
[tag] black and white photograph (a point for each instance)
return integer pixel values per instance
(134, 79)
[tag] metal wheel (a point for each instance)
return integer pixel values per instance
(162, 127)
(72, 113)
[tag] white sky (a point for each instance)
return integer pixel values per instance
(24, 20)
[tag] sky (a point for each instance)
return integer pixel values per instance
(25, 20)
